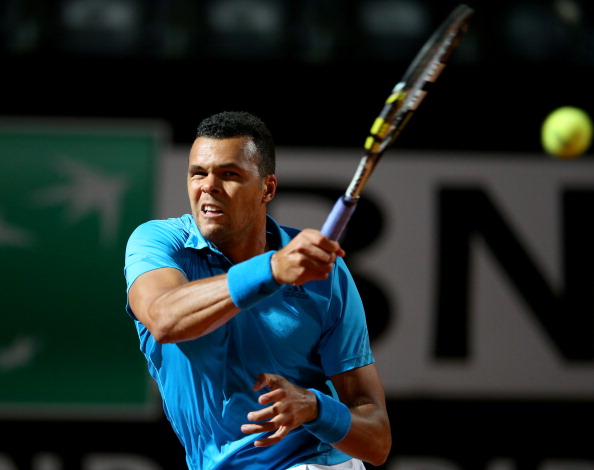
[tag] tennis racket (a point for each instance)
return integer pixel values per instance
(406, 96)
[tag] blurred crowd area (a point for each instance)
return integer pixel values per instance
(316, 70)
(307, 31)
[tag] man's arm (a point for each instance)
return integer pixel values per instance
(174, 309)
(369, 437)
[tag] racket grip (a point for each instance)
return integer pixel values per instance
(339, 217)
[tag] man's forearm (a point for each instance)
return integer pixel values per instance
(192, 310)
(369, 438)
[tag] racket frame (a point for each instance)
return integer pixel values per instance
(398, 108)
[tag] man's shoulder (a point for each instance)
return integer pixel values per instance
(174, 227)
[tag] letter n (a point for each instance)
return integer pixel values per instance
(566, 313)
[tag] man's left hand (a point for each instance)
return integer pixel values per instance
(290, 407)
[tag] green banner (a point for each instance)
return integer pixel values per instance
(70, 195)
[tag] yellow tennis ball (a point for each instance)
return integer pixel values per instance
(567, 132)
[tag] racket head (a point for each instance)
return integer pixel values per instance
(408, 93)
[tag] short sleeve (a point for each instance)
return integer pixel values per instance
(153, 245)
(345, 343)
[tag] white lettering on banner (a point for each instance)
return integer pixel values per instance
(422, 463)
(46, 461)
(434, 463)
(126, 461)
(106, 461)
(95, 461)
(567, 465)
(501, 464)
(6, 463)
(485, 263)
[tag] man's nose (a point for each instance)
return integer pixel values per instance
(210, 184)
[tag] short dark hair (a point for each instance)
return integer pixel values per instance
(229, 124)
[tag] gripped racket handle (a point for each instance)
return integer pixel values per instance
(339, 217)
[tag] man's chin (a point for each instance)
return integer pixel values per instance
(211, 230)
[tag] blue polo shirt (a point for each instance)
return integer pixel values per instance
(304, 333)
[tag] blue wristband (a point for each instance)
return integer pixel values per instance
(252, 281)
(333, 421)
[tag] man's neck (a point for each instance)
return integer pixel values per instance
(246, 249)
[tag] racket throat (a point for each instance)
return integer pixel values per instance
(362, 174)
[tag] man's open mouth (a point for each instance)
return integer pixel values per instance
(207, 209)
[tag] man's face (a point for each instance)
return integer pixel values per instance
(227, 195)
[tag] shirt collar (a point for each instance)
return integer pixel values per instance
(196, 241)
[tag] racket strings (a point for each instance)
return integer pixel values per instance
(407, 95)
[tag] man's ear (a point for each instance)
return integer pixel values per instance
(269, 188)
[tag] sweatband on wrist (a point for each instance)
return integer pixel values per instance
(251, 281)
(333, 421)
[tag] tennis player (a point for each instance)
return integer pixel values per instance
(254, 332)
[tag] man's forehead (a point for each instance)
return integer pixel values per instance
(234, 151)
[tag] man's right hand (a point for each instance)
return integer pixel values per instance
(310, 256)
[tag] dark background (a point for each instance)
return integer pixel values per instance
(318, 74)
(317, 71)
